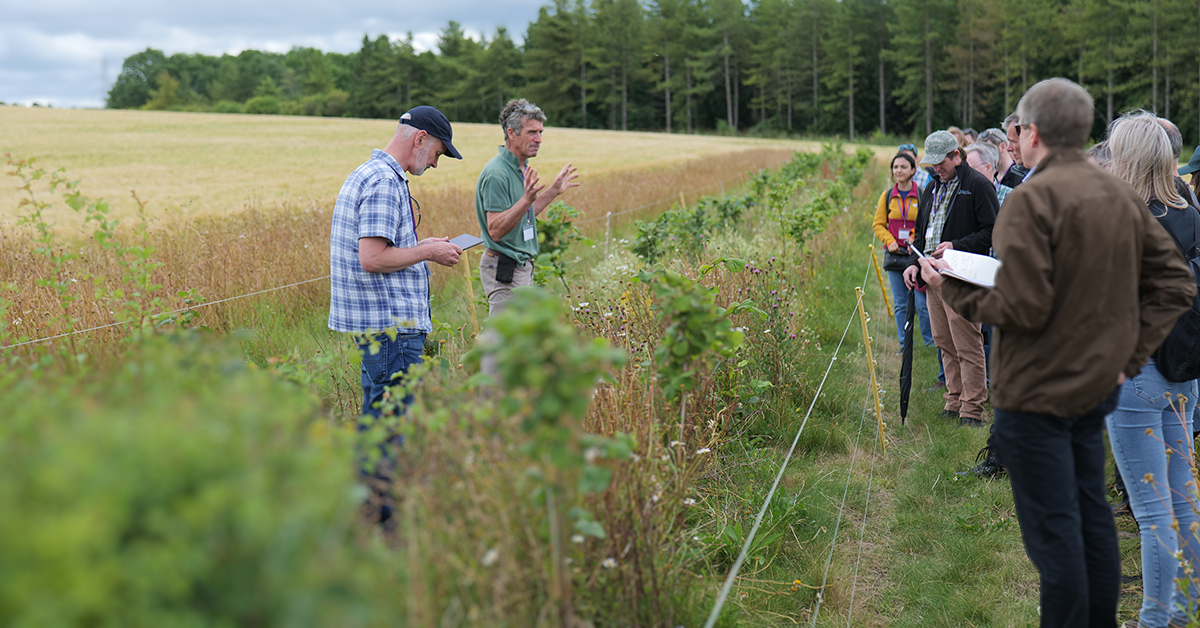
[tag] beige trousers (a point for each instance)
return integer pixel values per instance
(961, 342)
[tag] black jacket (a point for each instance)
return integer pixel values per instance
(972, 213)
(1015, 176)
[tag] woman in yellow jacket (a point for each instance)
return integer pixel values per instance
(895, 218)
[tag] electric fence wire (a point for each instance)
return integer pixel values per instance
(870, 482)
(841, 510)
(737, 564)
(185, 309)
(196, 307)
(862, 532)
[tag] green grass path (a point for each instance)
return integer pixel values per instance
(938, 548)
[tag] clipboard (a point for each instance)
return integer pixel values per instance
(466, 241)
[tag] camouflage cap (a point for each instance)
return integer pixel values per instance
(938, 145)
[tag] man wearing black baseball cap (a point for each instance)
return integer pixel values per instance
(433, 122)
(379, 273)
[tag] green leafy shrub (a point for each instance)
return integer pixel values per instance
(267, 105)
(186, 489)
(686, 230)
(228, 106)
(556, 234)
(291, 108)
(313, 105)
(335, 103)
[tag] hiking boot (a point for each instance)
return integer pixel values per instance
(948, 414)
(969, 422)
(935, 387)
(989, 465)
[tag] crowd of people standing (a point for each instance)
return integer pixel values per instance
(1080, 330)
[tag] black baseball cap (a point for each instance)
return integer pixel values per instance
(433, 122)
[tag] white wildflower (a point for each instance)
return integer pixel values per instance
(591, 454)
(609, 563)
(689, 502)
(676, 443)
(490, 557)
(702, 450)
(577, 538)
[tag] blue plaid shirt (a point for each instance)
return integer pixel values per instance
(374, 202)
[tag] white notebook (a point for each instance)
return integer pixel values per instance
(971, 268)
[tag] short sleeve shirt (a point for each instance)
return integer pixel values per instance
(374, 203)
(501, 184)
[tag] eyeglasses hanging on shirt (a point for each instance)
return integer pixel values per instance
(416, 209)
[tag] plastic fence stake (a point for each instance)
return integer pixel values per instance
(862, 314)
(882, 285)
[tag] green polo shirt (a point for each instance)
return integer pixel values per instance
(500, 186)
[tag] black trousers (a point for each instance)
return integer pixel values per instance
(1056, 468)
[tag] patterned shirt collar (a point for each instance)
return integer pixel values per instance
(387, 158)
(943, 196)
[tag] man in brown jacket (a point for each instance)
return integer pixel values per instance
(1089, 287)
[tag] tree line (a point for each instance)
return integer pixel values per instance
(821, 67)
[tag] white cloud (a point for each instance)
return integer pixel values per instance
(67, 52)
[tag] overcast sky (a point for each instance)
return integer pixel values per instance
(68, 52)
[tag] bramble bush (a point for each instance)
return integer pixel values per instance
(685, 231)
(187, 488)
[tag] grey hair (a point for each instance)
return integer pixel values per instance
(1012, 119)
(516, 112)
(993, 137)
(989, 153)
(1174, 136)
(1101, 153)
(1062, 111)
(1141, 155)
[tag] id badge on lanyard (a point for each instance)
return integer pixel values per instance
(528, 232)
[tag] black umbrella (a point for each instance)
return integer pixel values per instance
(906, 359)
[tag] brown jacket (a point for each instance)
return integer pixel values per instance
(1089, 287)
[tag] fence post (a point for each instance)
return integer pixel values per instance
(466, 257)
(722, 189)
(862, 314)
(682, 203)
(882, 287)
(607, 233)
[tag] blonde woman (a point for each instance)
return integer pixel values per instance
(1151, 429)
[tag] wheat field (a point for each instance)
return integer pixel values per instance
(238, 203)
(194, 164)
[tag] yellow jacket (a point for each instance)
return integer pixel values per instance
(894, 214)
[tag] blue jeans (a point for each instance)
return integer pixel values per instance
(1157, 478)
(900, 306)
(393, 357)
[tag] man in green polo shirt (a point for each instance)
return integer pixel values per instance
(508, 200)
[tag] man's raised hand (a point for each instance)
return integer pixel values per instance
(532, 189)
(565, 180)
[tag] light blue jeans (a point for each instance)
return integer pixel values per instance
(1151, 437)
(900, 306)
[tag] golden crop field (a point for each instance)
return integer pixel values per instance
(237, 204)
(199, 164)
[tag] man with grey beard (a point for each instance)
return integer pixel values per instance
(379, 274)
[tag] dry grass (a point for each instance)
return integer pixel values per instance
(192, 167)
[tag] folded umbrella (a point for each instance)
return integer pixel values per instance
(907, 358)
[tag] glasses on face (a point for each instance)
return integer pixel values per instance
(907, 147)
(416, 207)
